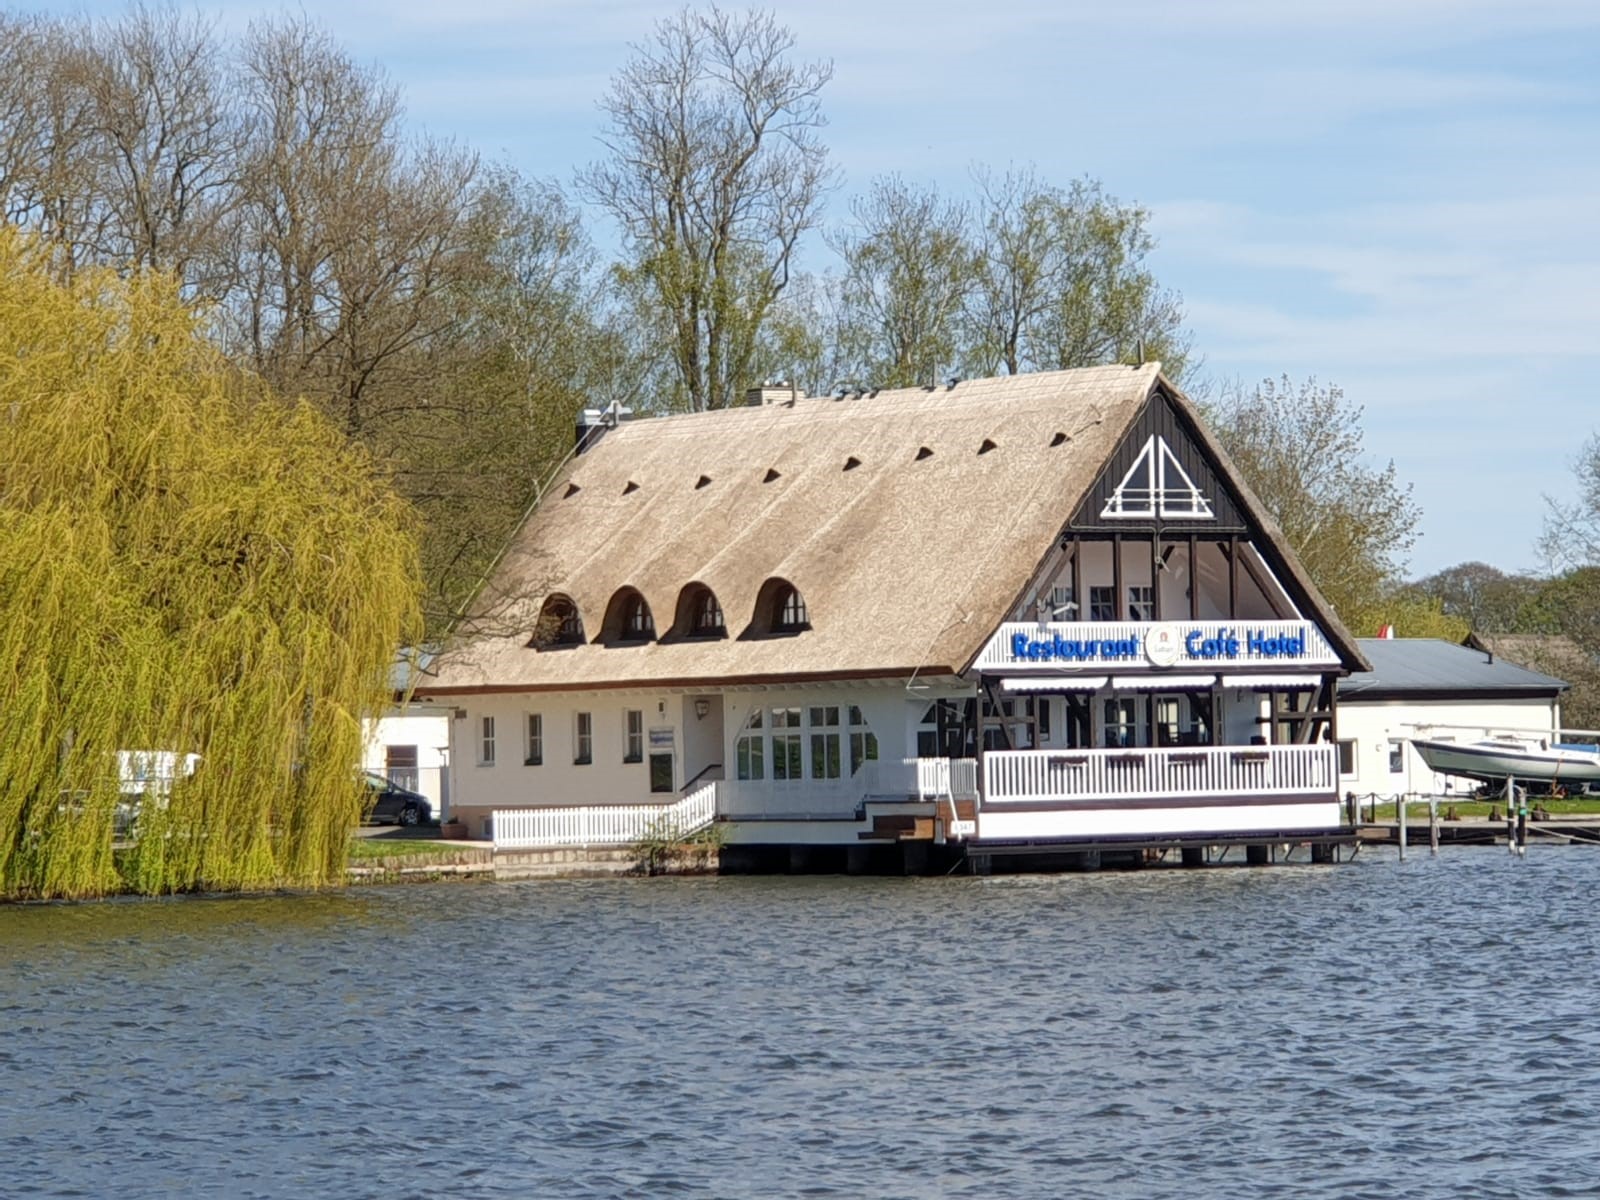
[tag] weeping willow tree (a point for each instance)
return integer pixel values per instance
(187, 566)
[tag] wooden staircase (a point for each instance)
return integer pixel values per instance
(911, 827)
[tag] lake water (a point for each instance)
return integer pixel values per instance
(1377, 1029)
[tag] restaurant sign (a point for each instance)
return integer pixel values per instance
(1159, 644)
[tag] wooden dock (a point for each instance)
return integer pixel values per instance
(1480, 831)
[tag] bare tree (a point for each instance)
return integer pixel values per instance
(1062, 280)
(350, 237)
(908, 270)
(166, 142)
(715, 172)
(1572, 529)
(47, 147)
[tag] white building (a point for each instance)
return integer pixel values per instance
(410, 746)
(1423, 687)
(1009, 616)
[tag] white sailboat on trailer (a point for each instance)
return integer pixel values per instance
(1530, 759)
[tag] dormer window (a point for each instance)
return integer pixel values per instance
(708, 616)
(791, 613)
(559, 624)
(699, 614)
(638, 624)
(780, 609)
(628, 619)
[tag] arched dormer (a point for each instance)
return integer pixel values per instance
(699, 614)
(560, 624)
(780, 609)
(628, 618)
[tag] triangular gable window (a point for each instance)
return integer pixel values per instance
(1157, 486)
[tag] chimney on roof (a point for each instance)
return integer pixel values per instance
(593, 422)
(776, 391)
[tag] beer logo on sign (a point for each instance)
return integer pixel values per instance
(1163, 645)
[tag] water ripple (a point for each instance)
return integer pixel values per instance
(1378, 1030)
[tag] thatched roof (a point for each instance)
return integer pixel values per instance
(909, 520)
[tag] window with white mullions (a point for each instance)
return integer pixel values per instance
(792, 611)
(533, 751)
(633, 735)
(788, 760)
(1141, 603)
(707, 615)
(486, 742)
(1157, 486)
(638, 624)
(750, 749)
(583, 739)
(863, 742)
(826, 761)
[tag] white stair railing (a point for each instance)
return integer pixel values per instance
(604, 824)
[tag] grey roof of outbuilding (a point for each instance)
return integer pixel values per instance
(1417, 667)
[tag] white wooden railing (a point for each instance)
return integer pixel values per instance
(604, 824)
(952, 778)
(924, 778)
(1012, 776)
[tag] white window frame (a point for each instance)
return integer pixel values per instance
(633, 735)
(750, 749)
(533, 739)
(486, 740)
(1355, 748)
(582, 739)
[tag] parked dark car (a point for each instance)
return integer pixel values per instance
(393, 804)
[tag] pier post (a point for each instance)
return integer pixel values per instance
(1400, 814)
(1194, 856)
(1511, 814)
(1256, 856)
(1433, 826)
(914, 858)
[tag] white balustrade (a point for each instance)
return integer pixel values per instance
(1171, 772)
(604, 824)
(950, 777)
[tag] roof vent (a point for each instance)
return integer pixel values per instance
(1058, 439)
(924, 452)
(773, 392)
(702, 481)
(986, 447)
(851, 463)
(772, 473)
(632, 487)
(572, 490)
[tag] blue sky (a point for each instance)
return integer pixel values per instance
(1399, 197)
